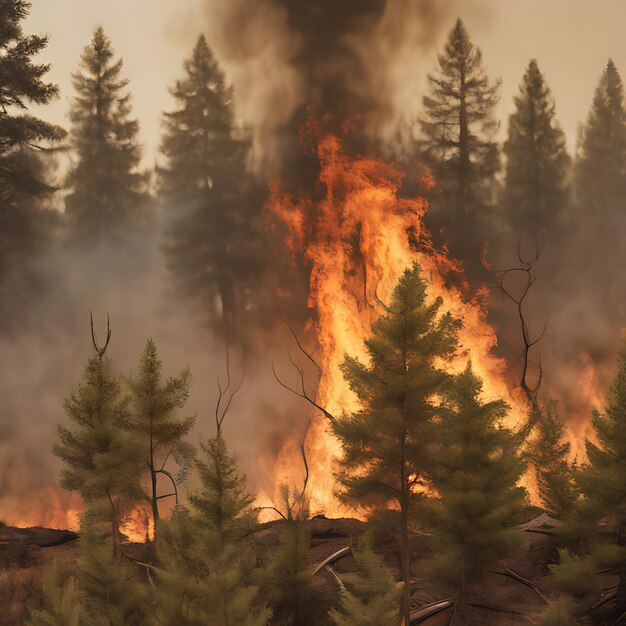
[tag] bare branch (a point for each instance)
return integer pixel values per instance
(100, 350)
(225, 395)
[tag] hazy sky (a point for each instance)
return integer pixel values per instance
(572, 39)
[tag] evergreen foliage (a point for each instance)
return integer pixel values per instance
(457, 138)
(115, 593)
(601, 162)
(385, 451)
(371, 596)
(549, 454)
(155, 426)
(206, 553)
(536, 158)
(107, 189)
(211, 240)
(63, 603)
(476, 471)
(21, 135)
(102, 461)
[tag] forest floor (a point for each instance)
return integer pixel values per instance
(512, 594)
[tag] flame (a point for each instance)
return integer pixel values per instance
(358, 237)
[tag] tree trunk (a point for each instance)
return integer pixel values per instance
(461, 600)
(406, 559)
(621, 542)
(155, 502)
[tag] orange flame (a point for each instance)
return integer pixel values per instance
(358, 238)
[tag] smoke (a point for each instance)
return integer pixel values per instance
(45, 353)
(289, 59)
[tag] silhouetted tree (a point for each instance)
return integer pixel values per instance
(536, 158)
(107, 189)
(475, 473)
(155, 426)
(204, 184)
(25, 143)
(385, 443)
(457, 139)
(601, 162)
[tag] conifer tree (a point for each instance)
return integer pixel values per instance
(601, 480)
(155, 426)
(206, 554)
(371, 596)
(549, 454)
(204, 185)
(384, 460)
(536, 158)
(476, 472)
(601, 163)
(21, 135)
(107, 189)
(102, 461)
(457, 136)
(115, 593)
(63, 601)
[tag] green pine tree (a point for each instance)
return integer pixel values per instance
(115, 593)
(549, 455)
(107, 189)
(385, 448)
(21, 135)
(601, 480)
(155, 426)
(476, 473)
(457, 139)
(601, 163)
(206, 553)
(211, 239)
(63, 603)
(102, 461)
(536, 158)
(371, 596)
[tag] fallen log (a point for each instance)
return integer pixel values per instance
(417, 616)
(335, 556)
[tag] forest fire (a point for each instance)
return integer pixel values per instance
(358, 239)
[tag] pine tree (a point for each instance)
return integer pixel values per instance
(549, 454)
(457, 142)
(115, 593)
(107, 189)
(206, 554)
(63, 601)
(476, 471)
(21, 135)
(601, 480)
(102, 461)
(537, 160)
(155, 426)
(385, 443)
(206, 189)
(601, 163)
(371, 596)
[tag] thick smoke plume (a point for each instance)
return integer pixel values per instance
(290, 59)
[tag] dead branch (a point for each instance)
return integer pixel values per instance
(333, 558)
(526, 267)
(424, 612)
(302, 392)
(226, 395)
(515, 576)
(100, 350)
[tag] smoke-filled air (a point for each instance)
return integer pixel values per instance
(312, 313)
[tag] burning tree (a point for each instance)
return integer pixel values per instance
(385, 462)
